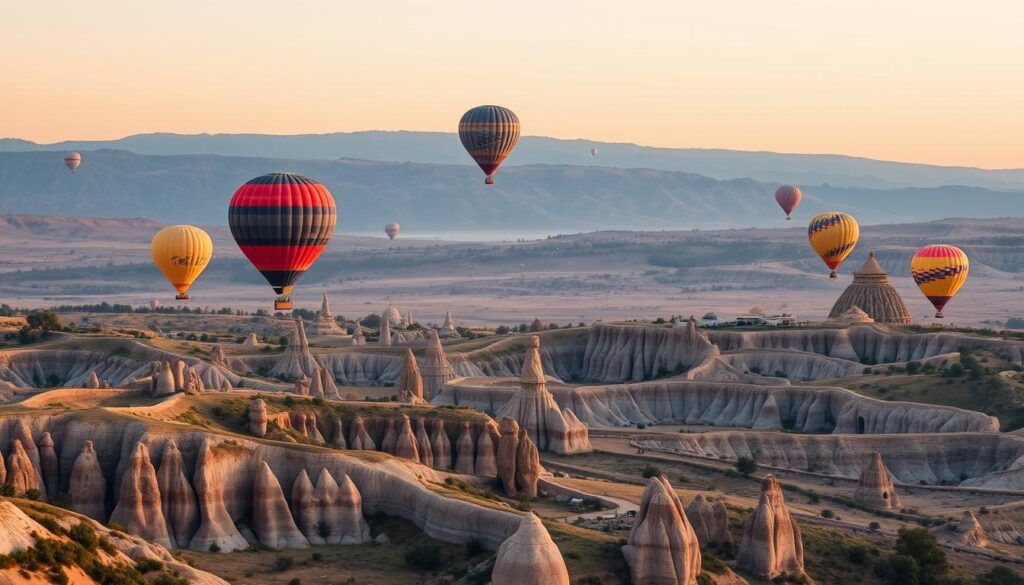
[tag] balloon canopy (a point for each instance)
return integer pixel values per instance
(833, 236)
(489, 133)
(788, 197)
(181, 252)
(939, 271)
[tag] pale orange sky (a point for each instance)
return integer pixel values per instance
(937, 81)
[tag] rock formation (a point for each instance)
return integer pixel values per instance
(535, 409)
(465, 448)
(441, 446)
(410, 383)
(87, 488)
(297, 361)
(181, 512)
(405, 444)
(271, 519)
(387, 444)
(338, 433)
(218, 357)
(216, 526)
(662, 547)
(969, 530)
(327, 381)
(853, 316)
(164, 381)
(49, 465)
(316, 385)
(710, 522)
(93, 382)
(179, 376)
(258, 418)
(360, 439)
(306, 509)
(3, 470)
(139, 506)
(423, 444)
(529, 557)
(527, 465)
(875, 488)
(508, 449)
(871, 292)
(385, 332)
(324, 322)
(771, 542)
(251, 339)
(22, 475)
(486, 463)
(448, 330)
(302, 385)
(312, 430)
(436, 370)
(350, 526)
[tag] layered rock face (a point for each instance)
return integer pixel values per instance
(87, 488)
(49, 465)
(139, 506)
(181, 512)
(517, 461)
(331, 512)
(436, 370)
(875, 486)
(410, 383)
(485, 462)
(297, 361)
(771, 542)
(969, 530)
(529, 557)
(216, 527)
(508, 447)
(465, 450)
(623, 353)
(441, 446)
(360, 439)
(385, 333)
(257, 416)
(22, 474)
(536, 411)
(662, 548)
(164, 383)
(423, 444)
(405, 443)
(710, 522)
(271, 519)
(527, 465)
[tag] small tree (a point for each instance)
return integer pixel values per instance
(746, 465)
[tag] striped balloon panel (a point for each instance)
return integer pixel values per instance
(788, 197)
(489, 133)
(833, 236)
(282, 222)
(939, 271)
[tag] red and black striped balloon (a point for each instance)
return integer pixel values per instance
(282, 222)
(489, 134)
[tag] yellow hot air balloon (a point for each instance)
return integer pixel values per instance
(181, 252)
(833, 236)
(939, 271)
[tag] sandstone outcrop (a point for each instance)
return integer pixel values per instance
(441, 446)
(49, 465)
(710, 522)
(360, 440)
(617, 353)
(875, 488)
(87, 488)
(164, 381)
(529, 557)
(296, 361)
(218, 357)
(508, 449)
(93, 382)
(251, 339)
(181, 512)
(405, 443)
(465, 450)
(486, 462)
(21, 432)
(21, 473)
(316, 384)
(527, 465)
(410, 383)
(216, 526)
(139, 506)
(423, 444)
(662, 547)
(306, 509)
(347, 511)
(258, 417)
(387, 444)
(436, 370)
(271, 519)
(324, 323)
(330, 387)
(771, 542)
(448, 330)
(179, 376)
(969, 530)
(338, 433)
(385, 332)
(535, 409)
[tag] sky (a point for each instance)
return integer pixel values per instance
(932, 81)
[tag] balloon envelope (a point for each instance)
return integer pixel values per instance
(282, 222)
(593, 152)
(788, 198)
(392, 230)
(939, 271)
(833, 236)
(72, 160)
(181, 252)
(489, 133)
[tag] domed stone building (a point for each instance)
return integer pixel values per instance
(871, 293)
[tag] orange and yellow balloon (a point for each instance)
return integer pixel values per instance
(181, 252)
(939, 271)
(833, 236)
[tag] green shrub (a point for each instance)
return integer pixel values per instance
(84, 535)
(283, 563)
(146, 565)
(425, 556)
(650, 471)
(746, 465)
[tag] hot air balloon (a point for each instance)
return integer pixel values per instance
(72, 160)
(489, 134)
(593, 152)
(833, 236)
(392, 230)
(282, 222)
(154, 305)
(788, 198)
(939, 271)
(181, 252)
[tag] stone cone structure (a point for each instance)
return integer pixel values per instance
(324, 323)
(853, 316)
(529, 557)
(22, 475)
(527, 465)
(486, 462)
(441, 446)
(271, 519)
(181, 512)
(316, 385)
(87, 488)
(216, 526)
(385, 332)
(970, 532)
(258, 418)
(21, 432)
(179, 376)
(423, 444)
(360, 439)
(771, 542)
(351, 526)
(164, 381)
(465, 448)
(297, 361)
(49, 465)
(218, 357)
(710, 522)
(306, 509)
(871, 292)
(508, 449)
(449, 330)
(769, 418)
(387, 444)
(875, 487)
(330, 388)
(535, 409)
(405, 444)
(662, 548)
(139, 505)
(251, 339)
(436, 370)
(410, 382)
(338, 433)
(93, 381)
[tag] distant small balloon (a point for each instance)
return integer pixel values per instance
(788, 197)
(154, 304)
(72, 160)
(593, 152)
(392, 230)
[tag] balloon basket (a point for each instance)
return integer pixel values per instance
(282, 304)
(489, 181)
(939, 315)
(833, 274)
(181, 296)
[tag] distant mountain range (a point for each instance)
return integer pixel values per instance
(425, 197)
(445, 148)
